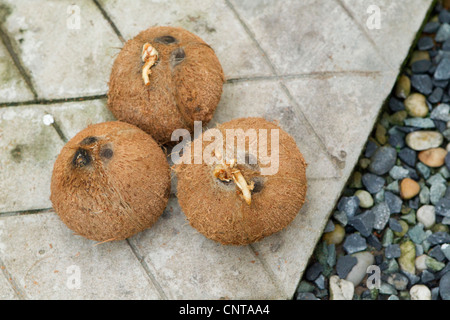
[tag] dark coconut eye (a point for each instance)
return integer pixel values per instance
(177, 57)
(106, 153)
(88, 141)
(166, 40)
(81, 158)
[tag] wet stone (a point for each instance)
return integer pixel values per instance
(408, 156)
(425, 43)
(363, 223)
(394, 202)
(349, 205)
(436, 95)
(383, 160)
(344, 265)
(372, 182)
(421, 66)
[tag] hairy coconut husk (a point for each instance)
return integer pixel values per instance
(185, 83)
(110, 181)
(217, 209)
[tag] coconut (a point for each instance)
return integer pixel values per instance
(165, 79)
(239, 200)
(110, 181)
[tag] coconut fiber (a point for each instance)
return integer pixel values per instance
(185, 83)
(110, 181)
(216, 208)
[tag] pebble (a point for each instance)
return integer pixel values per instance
(437, 253)
(427, 216)
(425, 43)
(313, 271)
(359, 271)
(421, 66)
(436, 95)
(396, 141)
(433, 265)
(437, 191)
(354, 243)
(344, 265)
(439, 238)
(443, 207)
(394, 203)
(408, 156)
(392, 251)
(372, 182)
(422, 83)
(423, 170)
(416, 105)
(417, 234)
(383, 160)
(444, 16)
(349, 205)
(427, 276)
(441, 112)
(433, 158)
(436, 179)
(365, 199)
(329, 227)
(424, 195)
(431, 27)
(443, 33)
(363, 223)
(381, 215)
(443, 70)
(409, 218)
(341, 217)
(422, 123)
(341, 289)
(403, 87)
(409, 189)
(393, 187)
(380, 134)
(386, 288)
(447, 159)
(444, 287)
(419, 55)
(394, 225)
(424, 140)
(445, 248)
(399, 281)
(336, 236)
(420, 292)
(371, 147)
(306, 296)
(420, 262)
(388, 238)
(373, 241)
(398, 173)
(407, 258)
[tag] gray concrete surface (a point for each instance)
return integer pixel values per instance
(314, 66)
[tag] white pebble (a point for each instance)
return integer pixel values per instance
(427, 216)
(341, 289)
(420, 292)
(421, 262)
(48, 119)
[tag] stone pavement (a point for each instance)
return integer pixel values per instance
(316, 66)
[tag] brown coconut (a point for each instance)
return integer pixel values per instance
(217, 208)
(110, 181)
(185, 83)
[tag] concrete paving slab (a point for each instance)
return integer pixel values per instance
(47, 261)
(388, 32)
(6, 290)
(189, 266)
(28, 148)
(265, 98)
(310, 36)
(211, 20)
(13, 87)
(67, 47)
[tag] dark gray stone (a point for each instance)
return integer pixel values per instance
(425, 43)
(444, 287)
(373, 241)
(383, 160)
(417, 234)
(395, 105)
(437, 253)
(431, 27)
(363, 223)
(394, 202)
(392, 251)
(408, 156)
(440, 83)
(444, 16)
(371, 147)
(354, 243)
(436, 95)
(372, 182)
(443, 70)
(396, 140)
(313, 272)
(427, 276)
(421, 66)
(344, 265)
(443, 33)
(349, 205)
(413, 279)
(394, 225)
(422, 83)
(447, 161)
(443, 207)
(439, 238)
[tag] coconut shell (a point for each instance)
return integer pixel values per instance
(110, 181)
(217, 209)
(185, 83)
